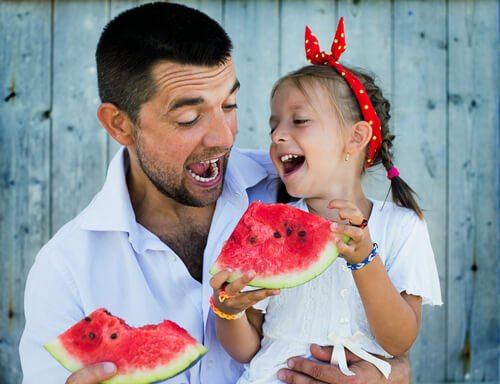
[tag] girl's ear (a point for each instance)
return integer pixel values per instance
(117, 123)
(361, 134)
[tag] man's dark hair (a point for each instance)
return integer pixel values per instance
(138, 38)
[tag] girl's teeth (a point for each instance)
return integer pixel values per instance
(288, 157)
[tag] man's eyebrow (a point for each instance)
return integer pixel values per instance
(186, 102)
(190, 101)
(236, 86)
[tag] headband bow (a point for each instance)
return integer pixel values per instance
(318, 57)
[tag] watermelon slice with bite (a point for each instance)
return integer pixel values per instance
(283, 245)
(141, 355)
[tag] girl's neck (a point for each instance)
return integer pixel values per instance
(353, 193)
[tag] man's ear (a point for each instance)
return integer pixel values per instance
(116, 122)
(361, 134)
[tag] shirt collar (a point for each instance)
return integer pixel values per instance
(111, 209)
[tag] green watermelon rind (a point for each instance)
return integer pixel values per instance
(189, 357)
(289, 280)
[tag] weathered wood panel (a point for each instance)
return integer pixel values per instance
(25, 81)
(79, 148)
(437, 61)
(472, 343)
(419, 84)
(253, 28)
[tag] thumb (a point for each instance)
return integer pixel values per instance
(321, 353)
(92, 374)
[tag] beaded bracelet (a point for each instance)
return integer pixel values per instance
(224, 315)
(371, 256)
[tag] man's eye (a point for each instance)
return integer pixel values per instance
(188, 123)
(230, 107)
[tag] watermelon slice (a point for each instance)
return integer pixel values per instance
(283, 245)
(141, 355)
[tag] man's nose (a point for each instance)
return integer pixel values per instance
(221, 131)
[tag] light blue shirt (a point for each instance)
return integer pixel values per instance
(104, 258)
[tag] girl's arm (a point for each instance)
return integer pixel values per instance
(239, 337)
(394, 318)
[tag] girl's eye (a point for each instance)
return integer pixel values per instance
(189, 123)
(300, 121)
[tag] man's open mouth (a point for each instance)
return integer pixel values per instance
(291, 163)
(206, 172)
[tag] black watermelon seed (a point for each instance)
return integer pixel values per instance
(277, 235)
(302, 233)
(87, 319)
(107, 312)
(91, 335)
(252, 239)
(289, 231)
(114, 335)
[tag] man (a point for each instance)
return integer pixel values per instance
(143, 246)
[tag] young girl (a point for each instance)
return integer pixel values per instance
(328, 124)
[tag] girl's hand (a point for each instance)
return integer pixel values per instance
(236, 301)
(360, 245)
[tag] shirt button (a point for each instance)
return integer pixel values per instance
(343, 292)
(345, 268)
(210, 364)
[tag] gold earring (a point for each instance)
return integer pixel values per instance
(347, 156)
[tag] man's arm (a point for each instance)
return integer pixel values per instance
(305, 371)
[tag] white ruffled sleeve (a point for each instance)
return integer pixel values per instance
(412, 267)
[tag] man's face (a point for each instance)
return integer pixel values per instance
(185, 132)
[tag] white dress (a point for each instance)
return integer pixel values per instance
(328, 310)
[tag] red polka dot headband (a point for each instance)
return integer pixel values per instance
(318, 57)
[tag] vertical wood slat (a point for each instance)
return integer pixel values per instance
(472, 346)
(25, 47)
(419, 82)
(79, 148)
(321, 18)
(253, 28)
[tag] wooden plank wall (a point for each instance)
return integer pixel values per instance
(437, 61)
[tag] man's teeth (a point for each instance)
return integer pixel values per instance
(213, 161)
(215, 172)
(288, 157)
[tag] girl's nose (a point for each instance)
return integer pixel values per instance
(280, 135)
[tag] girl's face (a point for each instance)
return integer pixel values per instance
(307, 145)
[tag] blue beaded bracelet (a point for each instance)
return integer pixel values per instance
(371, 256)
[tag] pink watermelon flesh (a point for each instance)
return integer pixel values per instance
(283, 245)
(142, 355)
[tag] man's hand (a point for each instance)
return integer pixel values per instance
(305, 371)
(92, 374)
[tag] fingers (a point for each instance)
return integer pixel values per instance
(356, 234)
(236, 286)
(237, 301)
(92, 374)
(291, 377)
(347, 210)
(218, 280)
(321, 353)
(303, 370)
